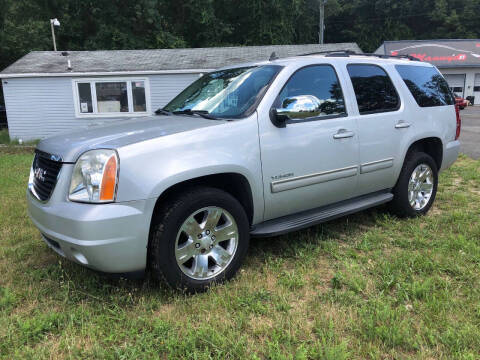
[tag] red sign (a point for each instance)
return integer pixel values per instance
(428, 58)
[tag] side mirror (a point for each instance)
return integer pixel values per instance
(295, 107)
(279, 120)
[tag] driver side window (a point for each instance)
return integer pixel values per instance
(312, 93)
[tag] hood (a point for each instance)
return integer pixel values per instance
(69, 146)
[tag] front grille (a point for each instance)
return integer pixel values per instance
(45, 172)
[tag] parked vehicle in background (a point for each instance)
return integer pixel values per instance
(3, 117)
(260, 149)
(461, 102)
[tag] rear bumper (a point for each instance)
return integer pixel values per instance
(450, 154)
(110, 238)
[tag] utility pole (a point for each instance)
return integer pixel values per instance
(321, 25)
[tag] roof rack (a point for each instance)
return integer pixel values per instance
(347, 53)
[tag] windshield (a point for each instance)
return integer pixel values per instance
(230, 93)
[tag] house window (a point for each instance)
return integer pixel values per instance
(111, 97)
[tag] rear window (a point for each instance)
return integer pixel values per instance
(373, 89)
(426, 84)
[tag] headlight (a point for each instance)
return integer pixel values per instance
(94, 177)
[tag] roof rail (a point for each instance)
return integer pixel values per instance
(329, 52)
(347, 53)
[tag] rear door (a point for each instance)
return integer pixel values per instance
(381, 124)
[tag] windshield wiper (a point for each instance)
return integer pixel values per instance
(162, 112)
(203, 113)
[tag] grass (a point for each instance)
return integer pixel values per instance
(367, 286)
(5, 139)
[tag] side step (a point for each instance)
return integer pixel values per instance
(308, 218)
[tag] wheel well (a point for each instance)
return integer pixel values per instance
(234, 184)
(432, 146)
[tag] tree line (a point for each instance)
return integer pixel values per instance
(142, 24)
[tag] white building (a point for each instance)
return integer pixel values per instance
(457, 60)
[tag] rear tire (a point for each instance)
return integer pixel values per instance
(416, 187)
(198, 238)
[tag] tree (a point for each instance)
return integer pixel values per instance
(143, 24)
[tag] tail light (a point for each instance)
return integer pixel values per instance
(459, 122)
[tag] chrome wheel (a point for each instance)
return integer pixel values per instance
(206, 243)
(420, 187)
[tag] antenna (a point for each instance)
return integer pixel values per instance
(273, 56)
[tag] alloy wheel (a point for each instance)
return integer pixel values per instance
(206, 243)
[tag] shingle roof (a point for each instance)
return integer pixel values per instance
(105, 61)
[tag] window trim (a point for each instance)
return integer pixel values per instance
(95, 113)
(315, 118)
(399, 105)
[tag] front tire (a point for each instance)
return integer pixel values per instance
(417, 185)
(199, 238)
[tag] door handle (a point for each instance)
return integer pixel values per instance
(402, 125)
(343, 134)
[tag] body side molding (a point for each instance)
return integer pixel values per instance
(312, 179)
(376, 165)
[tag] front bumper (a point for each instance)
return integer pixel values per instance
(111, 238)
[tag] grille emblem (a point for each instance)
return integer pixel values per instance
(40, 174)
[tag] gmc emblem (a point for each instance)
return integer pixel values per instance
(39, 174)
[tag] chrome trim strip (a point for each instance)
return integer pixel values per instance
(376, 165)
(312, 179)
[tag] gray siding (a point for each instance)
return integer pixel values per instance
(41, 107)
(164, 88)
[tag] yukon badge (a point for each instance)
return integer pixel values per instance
(282, 176)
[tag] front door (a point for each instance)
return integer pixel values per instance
(313, 160)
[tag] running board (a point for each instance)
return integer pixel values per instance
(308, 218)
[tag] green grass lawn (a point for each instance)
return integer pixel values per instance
(365, 286)
(5, 139)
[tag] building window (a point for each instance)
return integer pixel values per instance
(111, 97)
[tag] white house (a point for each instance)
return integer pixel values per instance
(48, 92)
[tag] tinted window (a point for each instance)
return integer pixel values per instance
(426, 84)
(314, 91)
(373, 89)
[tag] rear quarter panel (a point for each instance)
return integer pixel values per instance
(438, 121)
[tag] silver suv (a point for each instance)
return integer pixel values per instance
(259, 149)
